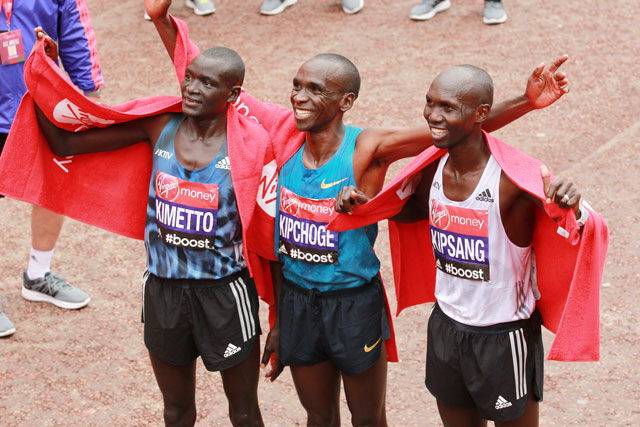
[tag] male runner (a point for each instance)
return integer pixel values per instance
(199, 299)
(331, 319)
(484, 346)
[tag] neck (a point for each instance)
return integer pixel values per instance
(322, 145)
(470, 154)
(205, 128)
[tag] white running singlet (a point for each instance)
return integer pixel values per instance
(482, 278)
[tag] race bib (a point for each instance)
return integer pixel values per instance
(186, 212)
(303, 229)
(460, 239)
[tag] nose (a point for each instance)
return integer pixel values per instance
(433, 114)
(191, 86)
(299, 96)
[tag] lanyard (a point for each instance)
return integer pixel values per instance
(7, 5)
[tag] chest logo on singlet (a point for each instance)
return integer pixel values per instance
(324, 186)
(460, 239)
(186, 212)
(303, 229)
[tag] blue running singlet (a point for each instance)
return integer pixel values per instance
(193, 228)
(311, 255)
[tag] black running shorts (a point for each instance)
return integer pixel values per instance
(492, 369)
(347, 326)
(215, 319)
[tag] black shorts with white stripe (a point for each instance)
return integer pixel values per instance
(215, 319)
(493, 369)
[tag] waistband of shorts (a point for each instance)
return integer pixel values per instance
(535, 317)
(315, 293)
(223, 281)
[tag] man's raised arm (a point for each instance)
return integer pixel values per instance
(544, 87)
(158, 11)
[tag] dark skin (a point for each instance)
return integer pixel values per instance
(320, 100)
(455, 113)
(207, 93)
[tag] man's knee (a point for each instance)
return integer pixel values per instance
(245, 413)
(326, 418)
(369, 420)
(180, 414)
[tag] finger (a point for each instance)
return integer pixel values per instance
(546, 181)
(275, 373)
(557, 63)
(560, 76)
(359, 197)
(265, 358)
(538, 71)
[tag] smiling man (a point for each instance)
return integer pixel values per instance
(199, 299)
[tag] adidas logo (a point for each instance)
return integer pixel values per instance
(232, 349)
(485, 196)
(502, 403)
(438, 264)
(224, 164)
(436, 184)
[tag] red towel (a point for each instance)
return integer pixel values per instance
(110, 189)
(286, 138)
(570, 295)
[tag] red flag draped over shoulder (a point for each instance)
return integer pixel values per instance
(108, 190)
(569, 265)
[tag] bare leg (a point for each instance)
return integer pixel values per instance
(178, 387)
(366, 394)
(45, 228)
(241, 387)
(318, 388)
(528, 419)
(459, 417)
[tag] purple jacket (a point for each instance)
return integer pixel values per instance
(68, 23)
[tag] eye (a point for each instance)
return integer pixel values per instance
(208, 84)
(187, 76)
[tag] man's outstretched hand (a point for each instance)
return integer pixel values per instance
(348, 198)
(561, 191)
(157, 9)
(50, 47)
(544, 87)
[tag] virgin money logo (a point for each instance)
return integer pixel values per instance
(66, 112)
(268, 189)
(167, 186)
(289, 202)
(439, 215)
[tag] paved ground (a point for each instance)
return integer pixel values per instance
(89, 367)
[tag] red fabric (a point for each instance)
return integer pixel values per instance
(570, 295)
(287, 139)
(110, 189)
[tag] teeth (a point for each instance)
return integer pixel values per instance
(438, 131)
(303, 113)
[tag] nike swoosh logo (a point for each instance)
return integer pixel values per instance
(367, 349)
(331, 184)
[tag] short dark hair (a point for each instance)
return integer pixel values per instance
(233, 71)
(349, 71)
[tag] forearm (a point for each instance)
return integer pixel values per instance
(56, 138)
(276, 278)
(507, 111)
(167, 32)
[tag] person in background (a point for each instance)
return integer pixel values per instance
(69, 24)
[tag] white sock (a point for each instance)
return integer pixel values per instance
(39, 263)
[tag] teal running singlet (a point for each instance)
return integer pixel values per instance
(311, 255)
(193, 228)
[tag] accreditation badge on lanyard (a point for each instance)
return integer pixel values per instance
(11, 44)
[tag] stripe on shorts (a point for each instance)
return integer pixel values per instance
(239, 290)
(519, 357)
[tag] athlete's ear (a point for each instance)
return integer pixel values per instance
(235, 93)
(347, 101)
(482, 112)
